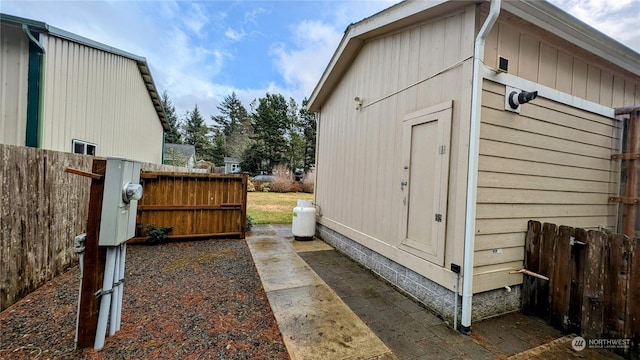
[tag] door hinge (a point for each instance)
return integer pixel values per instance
(443, 149)
(439, 217)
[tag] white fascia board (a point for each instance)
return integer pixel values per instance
(547, 92)
(567, 27)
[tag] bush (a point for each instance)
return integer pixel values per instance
(308, 181)
(250, 186)
(284, 180)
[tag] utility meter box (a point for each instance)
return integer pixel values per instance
(122, 190)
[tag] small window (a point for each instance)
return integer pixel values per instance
(83, 147)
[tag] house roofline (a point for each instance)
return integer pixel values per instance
(141, 62)
(539, 13)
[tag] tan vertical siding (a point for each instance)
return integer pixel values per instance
(359, 153)
(543, 58)
(14, 65)
(99, 97)
(550, 163)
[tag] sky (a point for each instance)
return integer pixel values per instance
(202, 51)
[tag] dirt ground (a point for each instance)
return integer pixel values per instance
(188, 300)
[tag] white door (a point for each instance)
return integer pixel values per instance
(426, 141)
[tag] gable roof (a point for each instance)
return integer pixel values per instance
(141, 62)
(540, 13)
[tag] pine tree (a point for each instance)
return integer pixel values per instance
(172, 136)
(308, 123)
(196, 133)
(269, 121)
(235, 124)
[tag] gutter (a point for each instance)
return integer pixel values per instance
(472, 175)
(35, 90)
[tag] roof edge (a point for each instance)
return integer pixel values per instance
(141, 62)
(551, 18)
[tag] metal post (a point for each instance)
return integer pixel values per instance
(115, 294)
(105, 300)
(123, 257)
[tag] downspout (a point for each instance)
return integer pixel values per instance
(472, 175)
(35, 91)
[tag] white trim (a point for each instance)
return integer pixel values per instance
(84, 144)
(547, 92)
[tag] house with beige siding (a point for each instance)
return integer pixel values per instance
(425, 172)
(64, 92)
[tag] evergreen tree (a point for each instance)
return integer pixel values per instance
(172, 136)
(235, 124)
(269, 121)
(295, 145)
(196, 133)
(308, 123)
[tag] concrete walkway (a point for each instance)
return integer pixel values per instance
(328, 307)
(314, 322)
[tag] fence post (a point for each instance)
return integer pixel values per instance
(632, 323)
(617, 268)
(94, 260)
(531, 262)
(593, 294)
(562, 279)
(548, 242)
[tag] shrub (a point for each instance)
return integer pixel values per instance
(284, 180)
(250, 186)
(308, 181)
(264, 187)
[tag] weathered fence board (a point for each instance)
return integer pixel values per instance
(531, 262)
(594, 282)
(42, 209)
(547, 263)
(193, 205)
(593, 293)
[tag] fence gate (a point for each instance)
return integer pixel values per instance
(194, 205)
(594, 282)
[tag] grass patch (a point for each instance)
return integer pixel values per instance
(273, 208)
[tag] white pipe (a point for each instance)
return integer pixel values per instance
(115, 295)
(472, 175)
(79, 297)
(105, 299)
(123, 258)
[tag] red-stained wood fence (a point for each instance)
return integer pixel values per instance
(594, 282)
(193, 205)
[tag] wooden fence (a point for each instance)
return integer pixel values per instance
(594, 282)
(42, 209)
(193, 205)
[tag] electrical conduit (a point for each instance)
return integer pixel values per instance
(472, 181)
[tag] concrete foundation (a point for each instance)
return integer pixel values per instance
(434, 296)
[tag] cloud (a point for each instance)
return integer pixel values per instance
(235, 35)
(612, 17)
(301, 66)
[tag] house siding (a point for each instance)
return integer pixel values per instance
(359, 159)
(98, 97)
(14, 65)
(550, 163)
(541, 57)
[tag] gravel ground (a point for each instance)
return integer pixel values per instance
(187, 300)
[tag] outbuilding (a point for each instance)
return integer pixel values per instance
(64, 92)
(444, 126)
